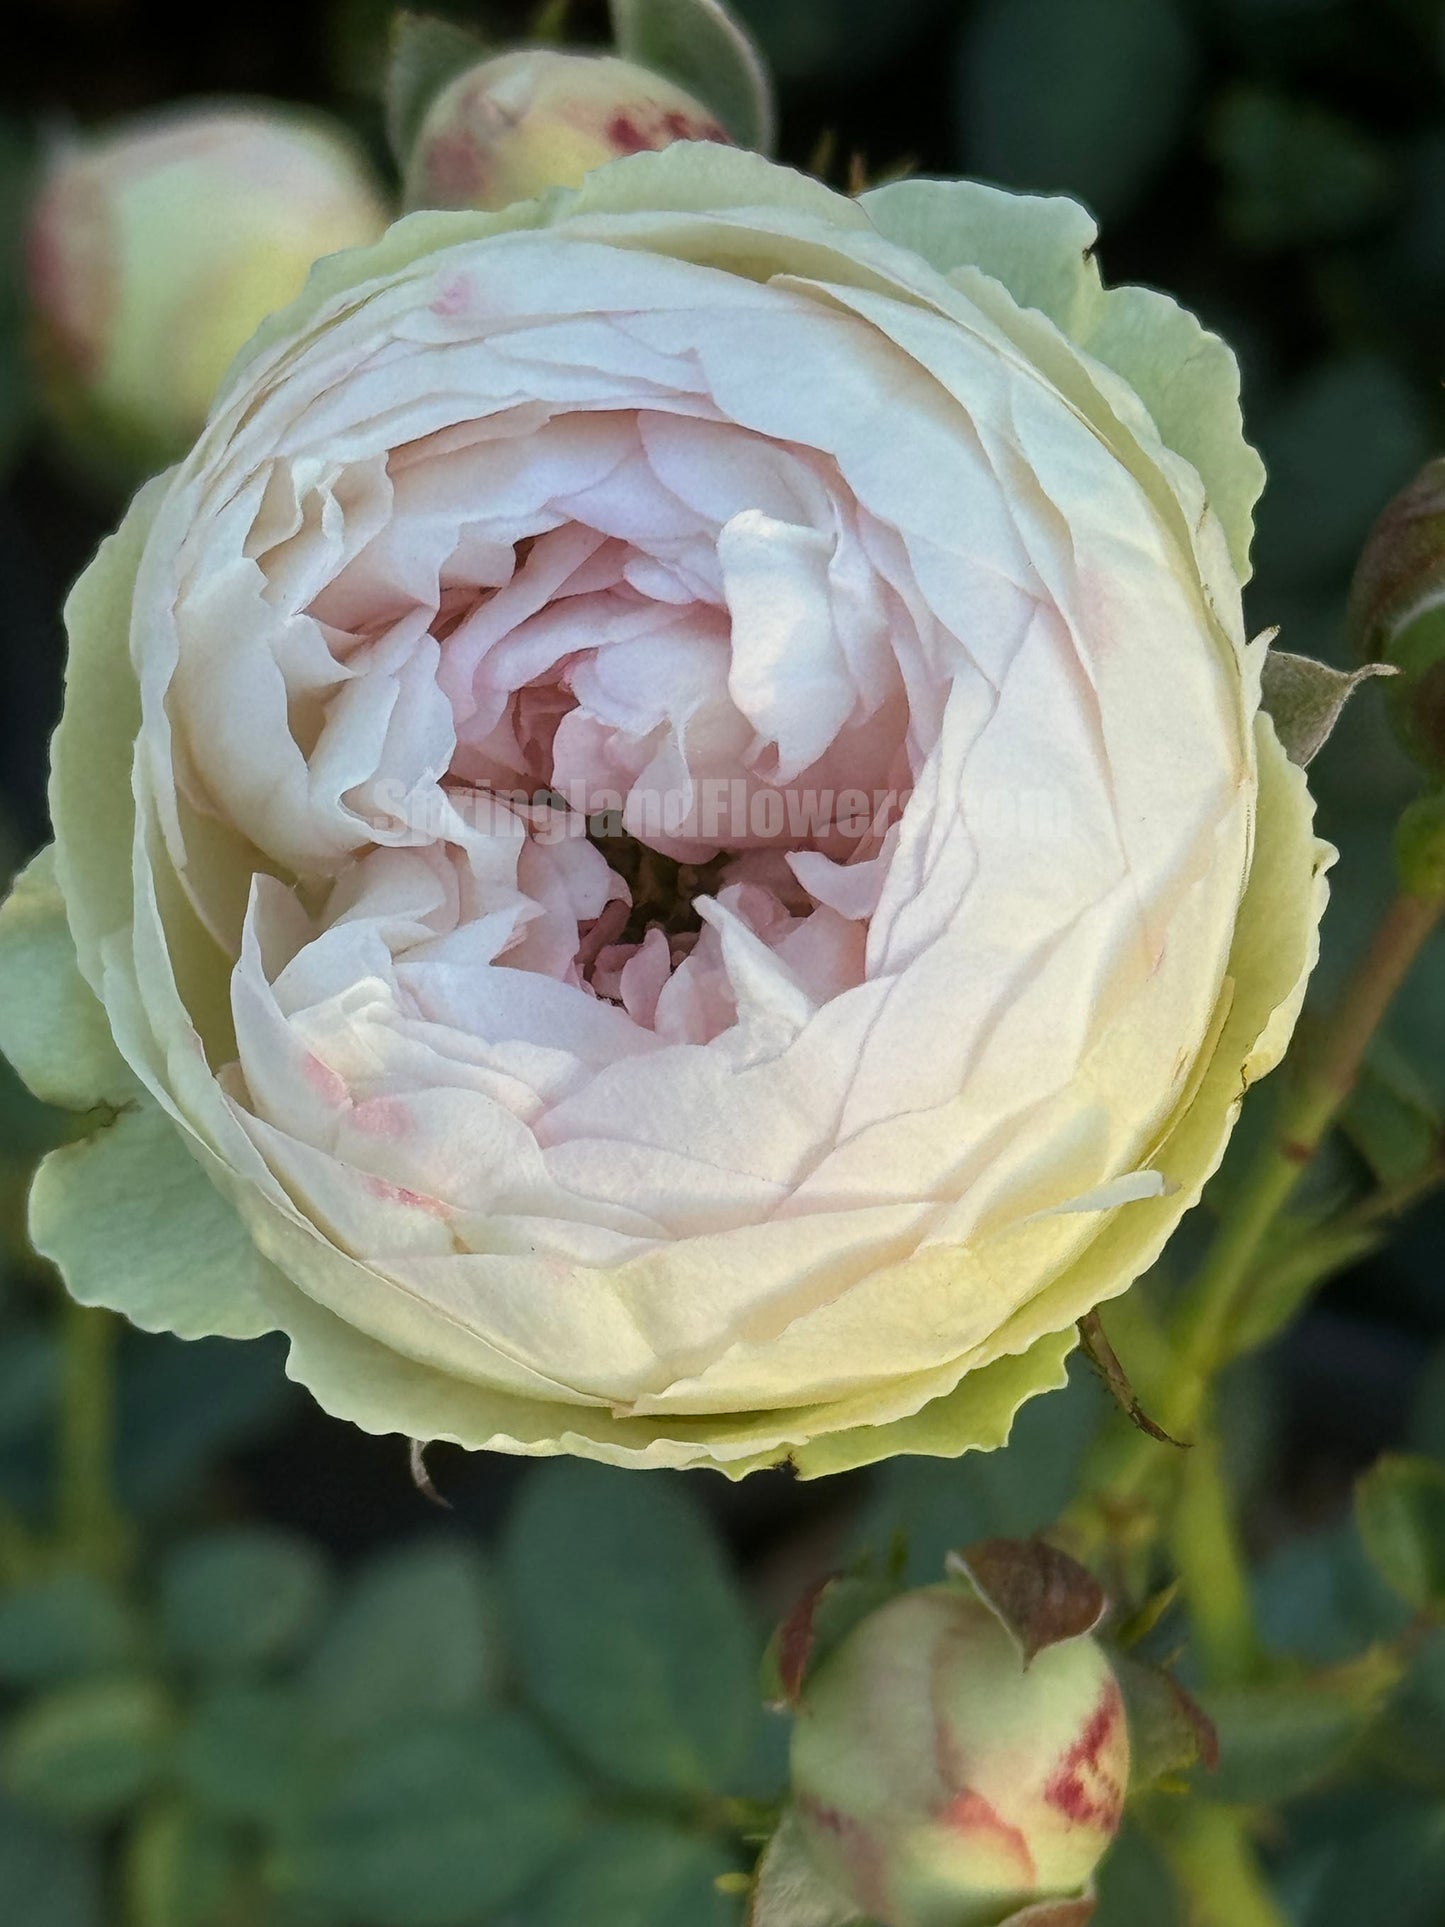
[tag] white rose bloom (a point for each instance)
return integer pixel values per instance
(876, 575)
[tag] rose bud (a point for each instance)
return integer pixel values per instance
(1420, 846)
(155, 249)
(1397, 611)
(517, 125)
(941, 1782)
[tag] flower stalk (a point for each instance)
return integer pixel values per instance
(1209, 1560)
(1214, 1860)
(91, 1527)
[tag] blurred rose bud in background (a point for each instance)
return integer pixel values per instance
(1397, 612)
(509, 128)
(155, 249)
(940, 1781)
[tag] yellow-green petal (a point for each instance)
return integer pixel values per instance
(976, 1416)
(134, 1224)
(52, 1027)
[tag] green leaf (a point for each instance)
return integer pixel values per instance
(184, 1404)
(241, 1598)
(1400, 1504)
(1394, 1873)
(1083, 96)
(1392, 1118)
(1296, 1260)
(1278, 1741)
(1135, 1887)
(416, 1634)
(48, 1878)
(88, 1752)
(1318, 1598)
(436, 1823)
(179, 1867)
(936, 1505)
(246, 1752)
(1294, 172)
(425, 56)
(701, 46)
(636, 1873)
(629, 1628)
(1416, 1733)
(62, 1627)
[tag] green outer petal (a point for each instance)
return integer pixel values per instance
(357, 1378)
(977, 1416)
(1041, 249)
(52, 1026)
(97, 1208)
(1188, 379)
(1040, 246)
(94, 747)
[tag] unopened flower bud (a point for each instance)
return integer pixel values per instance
(1420, 847)
(941, 1782)
(1397, 611)
(156, 249)
(512, 127)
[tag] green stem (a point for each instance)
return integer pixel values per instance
(1202, 1334)
(89, 1523)
(1215, 1863)
(1210, 1562)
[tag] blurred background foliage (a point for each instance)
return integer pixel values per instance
(263, 1682)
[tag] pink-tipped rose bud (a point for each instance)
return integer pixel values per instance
(512, 127)
(155, 250)
(941, 1782)
(1397, 612)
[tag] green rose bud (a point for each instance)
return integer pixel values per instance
(1420, 847)
(512, 127)
(157, 248)
(1397, 611)
(939, 1781)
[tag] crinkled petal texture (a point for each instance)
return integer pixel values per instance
(863, 571)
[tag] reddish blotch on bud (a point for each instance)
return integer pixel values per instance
(939, 1781)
